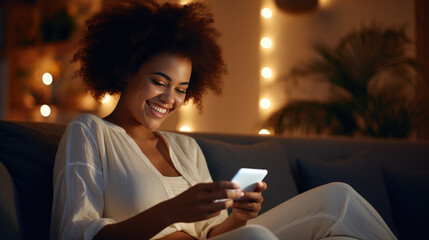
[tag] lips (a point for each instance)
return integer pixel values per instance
(159, 111)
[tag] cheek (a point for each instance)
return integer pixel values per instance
(180, 100)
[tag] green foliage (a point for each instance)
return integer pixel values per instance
(57, 28)
(372, 84)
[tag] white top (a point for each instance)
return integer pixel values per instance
(101, 177)
(177, 184)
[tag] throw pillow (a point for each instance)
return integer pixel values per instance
(365, 178)
(224, 160)
(409, 194)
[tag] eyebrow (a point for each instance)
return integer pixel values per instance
(168, 77)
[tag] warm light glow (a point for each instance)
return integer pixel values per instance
(324, 3)
(47, 78)
(45, 110)
(106, 98)
(266, 72)
(184, 2)
(265, 103)
(185, 129)
(266, 42)
(264, 132)
(267, 13)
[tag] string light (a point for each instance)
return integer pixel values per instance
(267, 13)
(266, 72)
(265, 103)
(185, 129)
(266, 42)
(45, 110)
(264, 132)
(47, 78)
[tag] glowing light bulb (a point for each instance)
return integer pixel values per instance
(266, 42)
(264, 132)
(106, 98)
(47, 78)
(265, 103)
(266, 72)
(45, 110)
(267, 13)
(185, 129)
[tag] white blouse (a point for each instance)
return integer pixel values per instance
(102, 177)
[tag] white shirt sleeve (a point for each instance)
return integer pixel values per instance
(78, 203)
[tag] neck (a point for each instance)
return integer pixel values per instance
(123, 118)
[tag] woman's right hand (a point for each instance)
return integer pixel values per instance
(198, 202)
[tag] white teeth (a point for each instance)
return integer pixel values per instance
(158, 109)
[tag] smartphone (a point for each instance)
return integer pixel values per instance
(247, 178)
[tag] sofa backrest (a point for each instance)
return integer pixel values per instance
(28, 149)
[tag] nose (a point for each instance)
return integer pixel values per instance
(168, 96)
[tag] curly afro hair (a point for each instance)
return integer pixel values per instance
(120, 38)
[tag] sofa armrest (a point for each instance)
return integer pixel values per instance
(10, 220)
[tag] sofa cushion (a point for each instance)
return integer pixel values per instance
(224, 160)
(409, 196)
(29, 156)
(364, 177)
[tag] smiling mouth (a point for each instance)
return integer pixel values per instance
(156, 108)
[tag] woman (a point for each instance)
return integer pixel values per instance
(120, 178)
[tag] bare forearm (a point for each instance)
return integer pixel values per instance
(229, 224)
(142, 226)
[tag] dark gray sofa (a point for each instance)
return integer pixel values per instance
(392, 175)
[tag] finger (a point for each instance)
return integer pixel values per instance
(217, 185)
(252, 196)
(261, 186)
(218, 206)
(227, 194)
(247, 206)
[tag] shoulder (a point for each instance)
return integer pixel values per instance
(89, 122)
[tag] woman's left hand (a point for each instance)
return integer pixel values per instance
(248, 206)
(243, 209)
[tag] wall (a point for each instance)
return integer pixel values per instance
(237, 111)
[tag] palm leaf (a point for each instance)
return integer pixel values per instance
(372, 87)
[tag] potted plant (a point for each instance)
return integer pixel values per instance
(372, 83)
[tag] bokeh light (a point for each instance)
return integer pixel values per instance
(264, 132)
(45, 110)
(267, 13)
(266, 42)
(265, 103)
(185, 129)
(47, 78)
(266, 72)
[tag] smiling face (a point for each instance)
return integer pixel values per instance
(157, 89)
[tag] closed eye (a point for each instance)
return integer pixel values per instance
(181, 91)
(158, 83)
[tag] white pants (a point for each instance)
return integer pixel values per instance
(332, 211)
